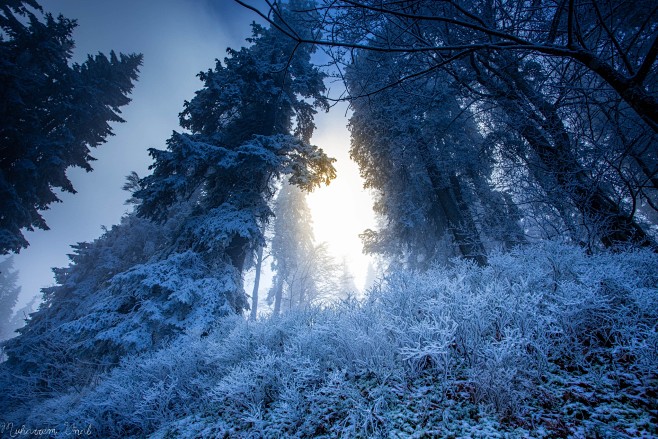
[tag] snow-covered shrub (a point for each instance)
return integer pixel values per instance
(455, 350)
(351, 336)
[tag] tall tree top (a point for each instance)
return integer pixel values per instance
(52, 113)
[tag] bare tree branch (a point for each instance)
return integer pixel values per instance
(628, 87)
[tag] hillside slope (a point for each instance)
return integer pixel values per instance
(546, 341)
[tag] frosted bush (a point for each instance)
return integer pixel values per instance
(408, 360)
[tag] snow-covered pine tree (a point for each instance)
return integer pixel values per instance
(249, 126)
(145, 282)
(51, 113)
(97, 313)
(423, 154)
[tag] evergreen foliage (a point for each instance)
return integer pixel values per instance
(144, 282)
(52, 113)
(94, 315)
(249, 126)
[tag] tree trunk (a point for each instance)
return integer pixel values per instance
(278, 293)
(556, 156)
(460, 220)
(254, 295)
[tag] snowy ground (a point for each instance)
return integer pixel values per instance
(545, 342)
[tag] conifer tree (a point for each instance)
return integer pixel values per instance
(295, 254)
(9, 291)
(346, 285)
(248, 126)
(52, 113)
(429, 165)
(176, 265)
(371, 277)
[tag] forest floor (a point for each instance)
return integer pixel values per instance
(567, 405)
(545, 342)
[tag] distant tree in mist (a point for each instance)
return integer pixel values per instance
(9, 292)
(371, 277)
(52, 113)
(304, 271)
(22, 315)
(346, 286)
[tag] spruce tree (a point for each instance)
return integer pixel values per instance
(52, 113)
(176, 264)
(248, 127)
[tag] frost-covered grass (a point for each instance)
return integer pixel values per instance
(544, 342)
